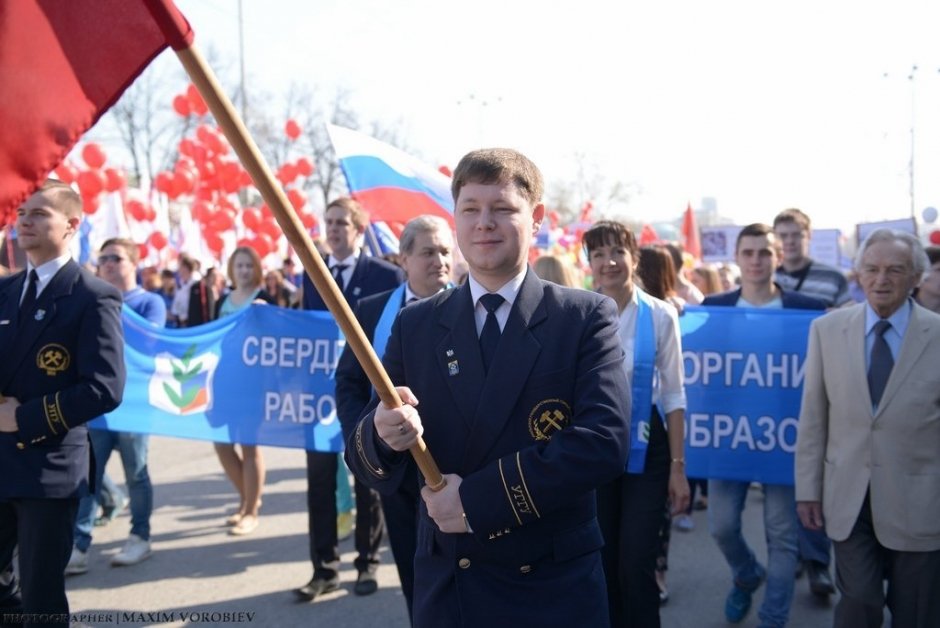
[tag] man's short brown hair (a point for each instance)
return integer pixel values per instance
(793, 215)
(756, 229)
(358, 216)
(130, 248)
(499, 165)
(66, 199)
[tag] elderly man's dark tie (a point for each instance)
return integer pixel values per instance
(338, 275)
(29, 299)
(489, 337)
(881, 362)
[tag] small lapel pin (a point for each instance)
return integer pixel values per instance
(453, 368)
(40, 314)
(356, 291)
(450, 353)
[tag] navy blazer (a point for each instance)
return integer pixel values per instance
(531, 439)
(789, 298)
(64, 363)
(353, 388)
(370, 276)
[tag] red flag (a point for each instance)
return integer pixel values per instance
(691, 242)
(648, 235)
(62, 65)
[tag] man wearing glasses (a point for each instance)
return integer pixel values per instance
(117, 265)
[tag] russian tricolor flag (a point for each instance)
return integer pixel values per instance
(391, 184)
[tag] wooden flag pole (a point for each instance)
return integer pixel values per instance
(246, 149)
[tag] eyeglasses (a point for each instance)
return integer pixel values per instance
(104, 259)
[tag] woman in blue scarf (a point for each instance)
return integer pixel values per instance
(630, 509)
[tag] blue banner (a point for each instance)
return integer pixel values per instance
(743, 383)
(263, 376)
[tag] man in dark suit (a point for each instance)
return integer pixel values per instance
(357, 276)
(426, 253)
(63, 348)
(524, 405)
(757, 253)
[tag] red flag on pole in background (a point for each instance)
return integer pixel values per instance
(62, 65)
(648, 235)
(691, 243)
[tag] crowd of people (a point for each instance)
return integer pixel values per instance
(552, 397)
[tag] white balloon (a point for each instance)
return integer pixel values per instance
(929, 214)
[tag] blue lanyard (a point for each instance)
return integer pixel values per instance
(644, 364)
(383, 329)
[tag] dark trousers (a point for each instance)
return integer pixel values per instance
(43, 529)
(321, 518)
(401, 520)
(630, 511)
(863, 564)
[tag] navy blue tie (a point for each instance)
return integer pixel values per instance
(338, 275)
(489, 337)
(879, 369)
(29, 299)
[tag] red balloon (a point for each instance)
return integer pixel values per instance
(183, 182)
(66, 173)
(266, 212)
(203, 133)
(251, 218)
(182, 106)
(115, 180)
(157, 240)
(196, 102)
(93, 155)
(214, 242)
(263, 244)
(89, 205)
(297, 198)
(444, 170)
(304, 166)
(164, 182)
(136, 209)
(143, 251)
(90, 182)
(245, 242)
(151, 214)
(308, 219)
(292, 129)
(287, 173)
(270, 227)
(221, 221)
(201, 212)
(935, 236)
(187, 147)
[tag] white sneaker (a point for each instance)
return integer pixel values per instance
(78, 563)
(135, 550)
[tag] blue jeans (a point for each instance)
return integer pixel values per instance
(726, 501)
(133, 450)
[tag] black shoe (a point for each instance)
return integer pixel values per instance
(366, 584)
(316, 587)
(820, 583)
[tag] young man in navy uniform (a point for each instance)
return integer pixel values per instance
(63, 348)
(357, 275)
(525, 407)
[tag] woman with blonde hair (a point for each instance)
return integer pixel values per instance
(245, 471)
(555, 269)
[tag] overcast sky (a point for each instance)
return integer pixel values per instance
(761, 105)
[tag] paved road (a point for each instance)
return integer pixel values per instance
(198, 573)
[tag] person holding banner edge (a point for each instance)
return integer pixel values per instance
(757, 255)
(523, 401)
(630, 508)
(426, 246)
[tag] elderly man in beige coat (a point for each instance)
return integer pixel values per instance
(868, 450)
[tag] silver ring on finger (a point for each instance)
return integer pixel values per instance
(401, 428)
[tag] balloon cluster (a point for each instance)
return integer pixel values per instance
(208, 174)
